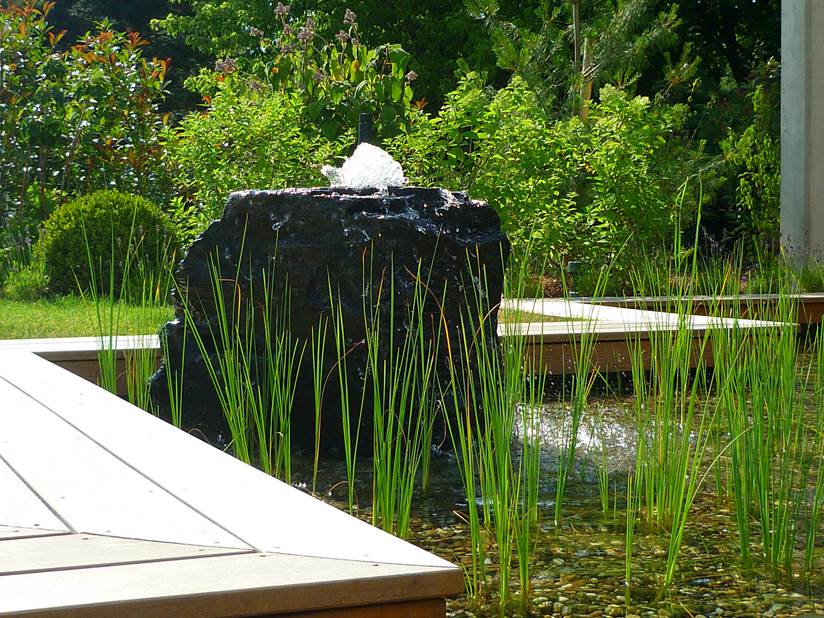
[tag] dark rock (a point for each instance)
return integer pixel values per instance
(306, 242)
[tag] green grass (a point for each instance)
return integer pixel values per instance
(74, 317)
(515, 316)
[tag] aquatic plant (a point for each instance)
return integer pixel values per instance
(350, 441)
(318, 355)
(401, 374)
(254, 382)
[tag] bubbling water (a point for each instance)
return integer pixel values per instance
(369, 166)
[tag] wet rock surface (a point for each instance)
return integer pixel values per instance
(304, 243)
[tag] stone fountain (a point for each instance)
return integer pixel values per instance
(348, 238)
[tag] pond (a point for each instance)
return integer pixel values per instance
(579, 566)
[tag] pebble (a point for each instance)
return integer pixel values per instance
(614, 610)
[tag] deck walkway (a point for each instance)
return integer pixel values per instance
(106, 510)
(615, 329)
(613, 320)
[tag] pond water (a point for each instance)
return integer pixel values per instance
(578, 568)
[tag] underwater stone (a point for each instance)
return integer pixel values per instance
(310, 241)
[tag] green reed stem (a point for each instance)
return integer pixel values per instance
(318, 349)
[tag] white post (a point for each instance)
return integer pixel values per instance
(802, 129)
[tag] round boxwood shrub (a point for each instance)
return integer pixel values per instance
(102, 234)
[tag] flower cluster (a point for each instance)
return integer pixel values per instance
(307, 33)
(225, 66)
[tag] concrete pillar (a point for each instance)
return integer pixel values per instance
(802, 129)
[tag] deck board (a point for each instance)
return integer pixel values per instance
(20, 532)
(91, 489)
(254, 506)
(239, 585)
(72, 551)
(169, 516)
(20, 506)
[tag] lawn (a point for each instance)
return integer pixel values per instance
(509, 316)
(76, 317)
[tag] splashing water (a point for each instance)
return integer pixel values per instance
(369, 166)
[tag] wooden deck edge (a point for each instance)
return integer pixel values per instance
(425, 588)
(810, 305)
(427, 608)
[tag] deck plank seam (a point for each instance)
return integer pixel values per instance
(117, 563)
(71, 529)
(124, 462)
(23, 537)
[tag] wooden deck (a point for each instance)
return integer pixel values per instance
(809, 306)
(615, 329)
(613, 320)
(108, 511)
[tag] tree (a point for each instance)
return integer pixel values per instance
(577, 46)
(440, 36)
(77, 17)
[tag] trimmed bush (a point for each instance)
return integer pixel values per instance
(107, 235)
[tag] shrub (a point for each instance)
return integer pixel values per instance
(566, 189)
(26, 282)
(755, 157)
(74, 120)
(250, 137)
(440, 150)
(102, 238)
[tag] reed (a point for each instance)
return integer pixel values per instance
(602, 466)
(107, 309)
(350, 441)
(252, 361)
(401, 375)
(140, 363)
(223, 356)
(816, 504)
(318, 357)
(528, 474)
(584, 377)
(491, 385)
(273, 391)
(463, 432)
(174, 378)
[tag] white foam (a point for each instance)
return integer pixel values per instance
(369, 166)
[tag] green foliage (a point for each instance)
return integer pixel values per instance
(249, 137)
(441, 150)
(577, 46)
(337, 80)
(26, 283)
(73, 121)
(565, 189)
(439, 35)
(755, 154)
(117, 232)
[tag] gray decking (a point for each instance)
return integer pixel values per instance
(106, 510)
